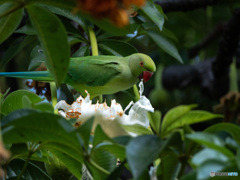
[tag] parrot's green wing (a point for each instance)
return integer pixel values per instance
(94, 71)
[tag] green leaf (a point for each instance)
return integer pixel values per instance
(82, 51)
(102, 141)
(151, 11)
(57, 3)
(85, 132)
(207, 154)
(50, 30)
(137, 129)
(173, 115)
(99, 136)
(116, 47)
(14, 100)
(9, 23)
(31, 173)
(104, 158)
(237, 159)
(169, 166)
(165, 44)
(155, 121)
(16, 47)
(115, 149)
(141, 152)
(191, 117)
(31, 125)
(27, 29)
(63, 158)
(232, 129)
(44, 106)
(68, 14)
(210, 141)
(203, 172)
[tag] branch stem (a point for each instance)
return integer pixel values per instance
(54, 95)
(94, 45)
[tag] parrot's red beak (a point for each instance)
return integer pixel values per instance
(146, 76)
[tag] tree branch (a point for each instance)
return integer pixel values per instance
(213, 74)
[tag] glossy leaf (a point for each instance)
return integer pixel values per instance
(116, 47)
(137, 129)
(31, 173)
(207, 154)
(141, 152)
(165, 45)
(14, 100)
(174, 114)
(50, 30)
(232, 129)
(210, 141)
(9, 23)
(155, 121)
(191, 117)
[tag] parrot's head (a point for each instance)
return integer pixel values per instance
(142, 66)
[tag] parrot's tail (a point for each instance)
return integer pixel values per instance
(34, 75)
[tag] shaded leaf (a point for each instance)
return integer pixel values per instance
(165, 45)
(50, 30)
(232, 129)
(16, 47)
(169, 166)
(116, 47)
(27, 29)
(104, 158)
(36, 126)
(82, 51)
(207, 154)
(31, 173)
(66, 158)
(154, 14)
(9, 23)
(141, 152)
(85, 132)
(210, 141)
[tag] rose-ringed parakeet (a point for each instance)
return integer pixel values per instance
(99, 74)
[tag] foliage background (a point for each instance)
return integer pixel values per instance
(170, 36)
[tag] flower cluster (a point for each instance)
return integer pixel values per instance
(115, 10)
(110, 118)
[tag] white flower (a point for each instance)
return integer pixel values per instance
(153, 173)
(110, 118)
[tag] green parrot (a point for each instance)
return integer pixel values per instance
(99, 74)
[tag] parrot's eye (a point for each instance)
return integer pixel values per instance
(141, 63)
